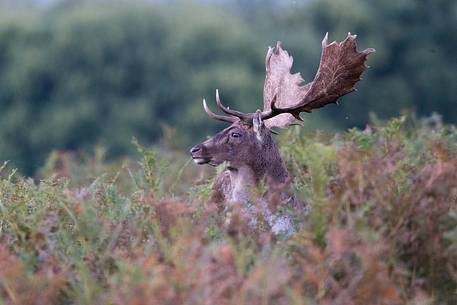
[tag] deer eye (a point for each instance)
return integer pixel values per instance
(235, 135)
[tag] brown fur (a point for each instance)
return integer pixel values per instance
(252, 157)
(247, 144)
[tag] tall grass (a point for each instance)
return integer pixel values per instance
(382, 230)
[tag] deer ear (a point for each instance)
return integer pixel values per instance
(258, 125)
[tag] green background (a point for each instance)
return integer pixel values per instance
(76, 74)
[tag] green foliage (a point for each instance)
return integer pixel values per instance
(81, 73)
(382, 227)
(152, 171)
(75, 76)
(414, 61)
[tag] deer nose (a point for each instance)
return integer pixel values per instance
(196, 148)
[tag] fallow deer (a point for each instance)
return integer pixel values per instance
(247, 144)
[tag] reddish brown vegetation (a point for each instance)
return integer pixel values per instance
(382, 231)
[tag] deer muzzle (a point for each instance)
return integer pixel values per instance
(200, 155)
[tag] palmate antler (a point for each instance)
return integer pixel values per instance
(286, 95)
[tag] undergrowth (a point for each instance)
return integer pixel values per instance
(382, 229)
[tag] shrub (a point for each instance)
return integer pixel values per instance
(382, 229)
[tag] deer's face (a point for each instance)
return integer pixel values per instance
(237, 144)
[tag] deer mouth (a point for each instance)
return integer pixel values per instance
(205, 160)
(201, 160)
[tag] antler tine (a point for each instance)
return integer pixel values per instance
(224, 118)
(238, 114)
(274, 111)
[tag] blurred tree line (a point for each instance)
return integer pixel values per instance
(80, 73)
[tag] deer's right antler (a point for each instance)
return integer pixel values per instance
(233, 115)
(224, 118)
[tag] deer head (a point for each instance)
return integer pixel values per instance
(247, 141)
(240, 143)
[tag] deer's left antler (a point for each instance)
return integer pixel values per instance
(286, 95)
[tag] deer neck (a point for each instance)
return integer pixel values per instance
(245, 178)
(271, 167)
(243, 181)
(267, 165)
